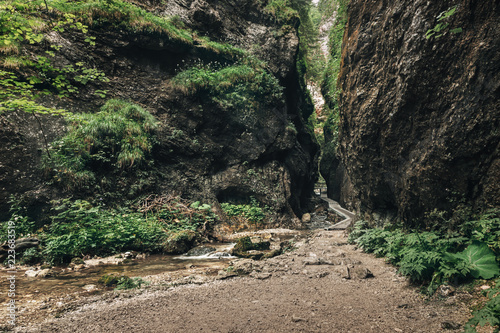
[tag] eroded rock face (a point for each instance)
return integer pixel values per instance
(204, 152)
(420, 118)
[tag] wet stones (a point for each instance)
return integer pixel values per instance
(42, 273)
(200, 251)
(319, 261)
(180, 242)
(251, 247)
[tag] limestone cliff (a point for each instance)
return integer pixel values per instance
(419, 117)
(204, 151)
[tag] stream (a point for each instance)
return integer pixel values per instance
(70, 281)
(39, 297)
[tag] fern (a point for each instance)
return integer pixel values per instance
(430, 257)
(489, 314)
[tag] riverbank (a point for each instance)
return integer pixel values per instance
(325, 285)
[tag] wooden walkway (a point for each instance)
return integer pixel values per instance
(348, 216)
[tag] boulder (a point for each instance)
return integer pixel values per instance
(252, 248)
(200, 251)
(180, 242)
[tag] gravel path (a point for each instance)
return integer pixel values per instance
(325, 285)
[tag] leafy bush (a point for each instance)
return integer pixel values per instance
(252, 211)
(178, 214)
(125, 282)
(243, 86)
(489, 314)
(24, 226)
(485, 229)
(78, 229)
(282, 11)
(119, 137)
(429, 257)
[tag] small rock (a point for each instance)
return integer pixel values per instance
(128, 255)
(445, 291)
(90, 287)
(398, 330)
(222, 275)
(242, 267)
(296, 319)
(260, 276)
(200, 251)
(343, 271)
(322, 274)
(142, 256)
(45, 273)
(77, 261)
(361, 273)
(306, 218)
(317, 261)
(30, 273)
(450, 325)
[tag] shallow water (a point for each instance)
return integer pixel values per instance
(73, 281)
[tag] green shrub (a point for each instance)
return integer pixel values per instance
(178, 214)
(119, 137)
(485, 229)
(489, 314)
(242, 87)
(125, 282)
(430, 257)
(282, 11)
(252, 211)
(78, 228)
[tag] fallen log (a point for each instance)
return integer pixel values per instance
(21, 244)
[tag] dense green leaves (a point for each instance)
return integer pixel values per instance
(481, 260)
(251, 211)
(430, 257)
(119, 137)
(243, 86)
(78, 228)
(489, 314)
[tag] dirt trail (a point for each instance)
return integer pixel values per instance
(325, 285)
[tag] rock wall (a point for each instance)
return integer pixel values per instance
(419, 118)
(204, 152)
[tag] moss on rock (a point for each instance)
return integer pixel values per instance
(180, 242)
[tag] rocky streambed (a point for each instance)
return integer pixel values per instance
(323, 285)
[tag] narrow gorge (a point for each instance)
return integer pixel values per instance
(182, 165)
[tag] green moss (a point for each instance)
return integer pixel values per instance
(109, 280)
(282, 11)
(123, 15)
(180, 242)
(245, 244)
(243, 87)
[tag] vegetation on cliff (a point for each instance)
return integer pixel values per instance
(116, 143)
(26, 75)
